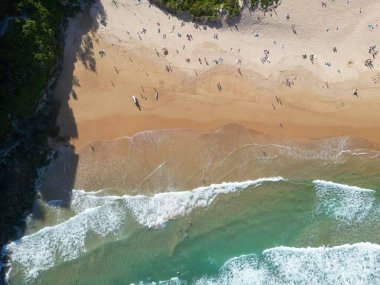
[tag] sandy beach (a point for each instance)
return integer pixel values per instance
(246, 152)
(251, 73)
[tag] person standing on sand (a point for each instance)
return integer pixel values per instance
(136, 101)
(156, 94)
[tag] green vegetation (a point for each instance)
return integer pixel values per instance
(208, 10)
(29, 50)
(264, 4)
(202, 9)
(31, 45)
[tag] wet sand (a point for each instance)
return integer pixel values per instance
(284, 120)
(151, 162)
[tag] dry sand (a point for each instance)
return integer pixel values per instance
(96, 91)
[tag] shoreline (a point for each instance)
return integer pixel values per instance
(295, 132)
(151, 161)
(217, 108)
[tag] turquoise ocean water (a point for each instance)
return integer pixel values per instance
(293, 215)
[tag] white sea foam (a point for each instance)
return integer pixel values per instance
(66, 241)
(343, 202)
(82, 200)
(356, 152)
(326, 149)
(103, 215)
(172, 281)
(154, 211)
(347, 264)
(357, 264)
(55, 203)
(245, 269)
(368, 153)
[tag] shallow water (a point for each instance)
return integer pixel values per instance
(305, 212)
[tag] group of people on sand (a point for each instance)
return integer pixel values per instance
(373, 51)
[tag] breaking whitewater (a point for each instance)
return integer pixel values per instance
(297, 214)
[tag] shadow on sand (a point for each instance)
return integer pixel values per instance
(57, 183)
(57, 180)
(28, 147)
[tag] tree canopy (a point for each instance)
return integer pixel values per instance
(208, 10)
(29, 49)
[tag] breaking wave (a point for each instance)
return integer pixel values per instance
(154, 211)
(345, 264)
(343, 202)
(104, 215)
(357, 264)
(66, 241)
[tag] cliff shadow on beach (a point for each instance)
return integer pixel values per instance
(40, 134)
(57, 180)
